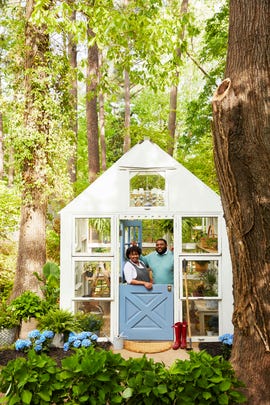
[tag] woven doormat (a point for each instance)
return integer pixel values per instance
(147, 346)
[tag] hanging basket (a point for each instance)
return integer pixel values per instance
(7, 336)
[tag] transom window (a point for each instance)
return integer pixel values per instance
(147, 189)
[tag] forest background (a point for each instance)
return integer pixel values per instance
(82, 82)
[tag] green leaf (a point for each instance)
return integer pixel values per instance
(127, 393)
(223, 399)
(26, 397)
(225, 385)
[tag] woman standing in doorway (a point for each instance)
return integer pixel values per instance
(135, 271)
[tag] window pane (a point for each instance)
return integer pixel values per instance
(100, 310)
(204, 317)
(93, 235)
(147, 190)
(92, 278)
(199, 235)
(202, 278)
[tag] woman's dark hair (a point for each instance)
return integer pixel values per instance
(132, 249)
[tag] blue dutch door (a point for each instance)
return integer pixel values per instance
(144, 314)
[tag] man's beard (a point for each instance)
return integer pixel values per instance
(162, 252)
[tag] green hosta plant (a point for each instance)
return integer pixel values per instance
(99, 377)
(33, 380)
(28, 305)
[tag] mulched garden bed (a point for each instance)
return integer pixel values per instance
(56, 353)
(212, 348)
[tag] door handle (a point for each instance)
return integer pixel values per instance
(169, 287)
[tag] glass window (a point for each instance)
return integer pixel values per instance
(201, 278)
(92, 278)
(200, 234)
(97, 310)
(204, 317)
(93, 235)
(147, 190)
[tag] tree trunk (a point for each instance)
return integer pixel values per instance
(127, 140)
(91, 109)
(72, 53)
(174, 88)
(1, 140)
(241, 134)
(102, 121)
(32, 240)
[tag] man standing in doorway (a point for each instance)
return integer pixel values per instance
(160, 262)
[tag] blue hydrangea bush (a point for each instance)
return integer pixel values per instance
(39, 341)
(227, 342)
(82, 339)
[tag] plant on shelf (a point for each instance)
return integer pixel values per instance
(89, 322)
(209, 279)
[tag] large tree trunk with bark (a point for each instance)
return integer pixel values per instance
(92, 109)
(241, 131)
(32, 240)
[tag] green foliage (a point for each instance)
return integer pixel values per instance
(58, 320)
(9, 210)
(204, 380)
(31, 381)
(28, 305)
(89, 322)
(98, 377)
(53, 245)
(50, 283)
(8, 319)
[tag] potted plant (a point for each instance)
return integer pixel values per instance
(9, 324)
(61, 322)
(28, 305)
(89, 322)
(201, 266)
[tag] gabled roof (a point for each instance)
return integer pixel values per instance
(110, 192)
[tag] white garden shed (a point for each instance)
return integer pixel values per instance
(147, 194)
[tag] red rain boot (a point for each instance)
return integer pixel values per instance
(177, 330)
(184, 335)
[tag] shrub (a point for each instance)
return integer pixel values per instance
(99, 377)
(59, 321)
(27, 305)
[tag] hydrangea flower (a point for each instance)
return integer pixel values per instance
(66, 347)
(48, 334)
(22, 344)
(94, 337)
(82, 335)
(77, 343)
(38, 348)
(86, 342)
(226, 339)
(72, 338)
(33, 334)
